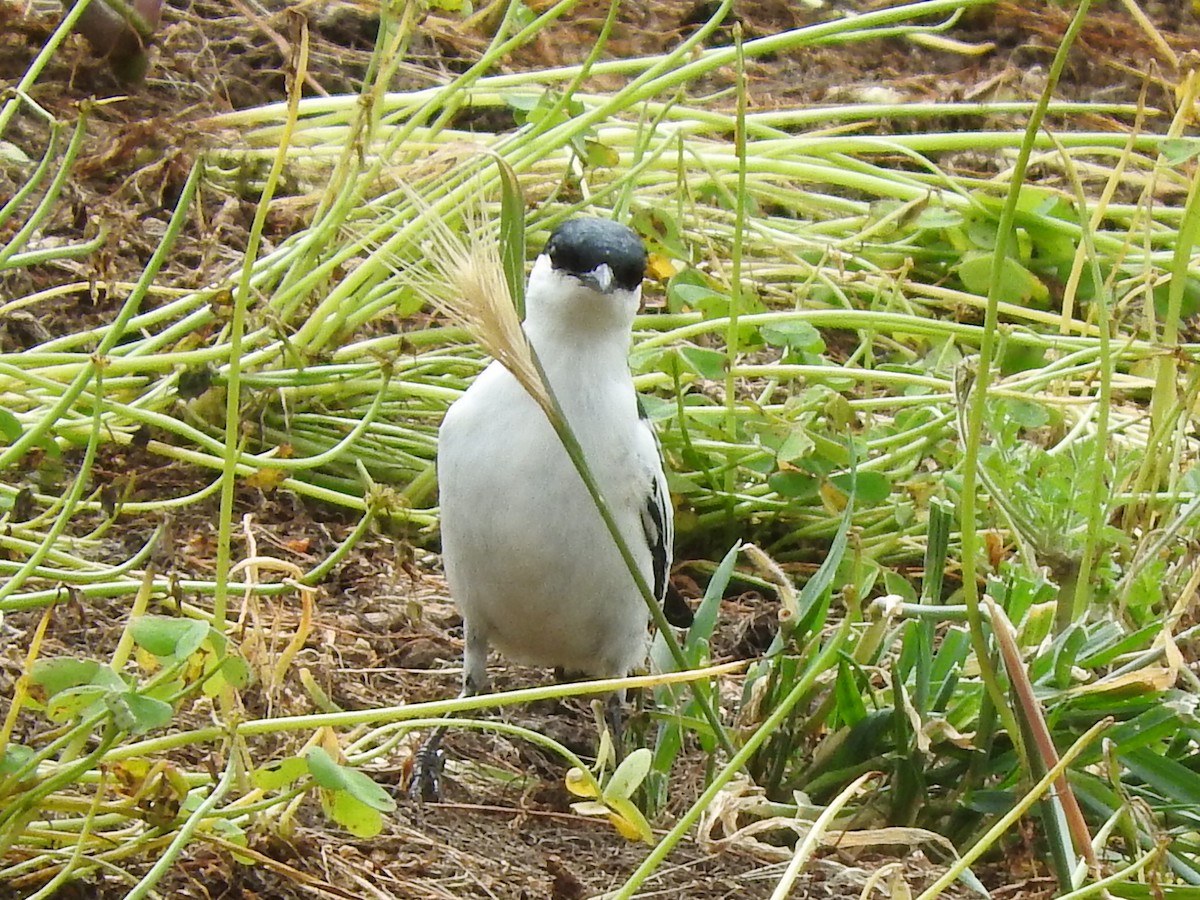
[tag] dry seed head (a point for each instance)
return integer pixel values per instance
(475, 296)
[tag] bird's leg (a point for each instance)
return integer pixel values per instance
(614, 720)
(427, 765)
(609, 715)
(426, 783)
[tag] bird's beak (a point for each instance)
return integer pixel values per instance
(600, 279)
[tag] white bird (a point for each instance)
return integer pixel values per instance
(529, 561)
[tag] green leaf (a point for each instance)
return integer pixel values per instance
(706, 363)
(850, 708)
(512, 232)
(10, 426)
(57, 674)
(1177, 152)
(1017, 283)
(628, 776)
(794, 485)
(280, 773)
(325, 772)
(235, 671)
(361, 786)
(872, 487)
(407, 302)
(1171, 779)
(664, 234)
(233, 834)
(697, 296)
(169, 637)
(1026, 413)
(352, 814)
(705, 619)
(789, 442)
(70, 704)
(335, 777)
(14, 759)
(629, 821)
(795, 335)
(600, 156)
(939, 217)
(136, 713)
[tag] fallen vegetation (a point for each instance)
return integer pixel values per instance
(923, 372)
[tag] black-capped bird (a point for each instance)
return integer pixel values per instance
(529, 561)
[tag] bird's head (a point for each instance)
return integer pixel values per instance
(590, 271)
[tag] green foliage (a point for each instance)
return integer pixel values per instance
(829, 423)
(349, 796)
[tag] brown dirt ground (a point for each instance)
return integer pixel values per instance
(385, 632)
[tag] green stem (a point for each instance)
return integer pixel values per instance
(823, 662)
(233, 769)
(562, 428)
(741, 200)
(237, 327)
(978, 396)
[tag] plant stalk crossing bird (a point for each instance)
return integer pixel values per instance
(528, 558)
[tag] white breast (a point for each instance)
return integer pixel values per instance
(528, 558)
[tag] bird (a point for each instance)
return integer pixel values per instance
(528, 560)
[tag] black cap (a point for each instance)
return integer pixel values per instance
(580, 246)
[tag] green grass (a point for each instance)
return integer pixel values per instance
(936, 385)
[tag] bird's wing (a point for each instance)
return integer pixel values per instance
(658, 524)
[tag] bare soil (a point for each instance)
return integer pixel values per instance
(386, 633)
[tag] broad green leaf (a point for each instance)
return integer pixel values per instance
(70, 703)
(360, 786)
(697, 296)
(57, 674)
(706, 363)
(873, 488)
(357, 817)
(280, 773)
(14, 759)
(235, 671)
(795, 485)
(628, 776)
(520, 102)
(895, 583)
(137, 714)
(325, 772)
(797, 335)
(1017, 283)
(600, 156)
(224, 668)
(167, 636)
(1026, 413)
(335, 777)
(407, 302)
(663, 233)
(938, 217)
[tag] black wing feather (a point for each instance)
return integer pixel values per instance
(658, 524)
